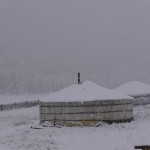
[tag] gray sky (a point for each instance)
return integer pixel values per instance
(108, 38)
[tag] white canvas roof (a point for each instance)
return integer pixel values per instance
(86, 91)
(134, 88)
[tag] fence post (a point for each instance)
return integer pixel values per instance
(15, 105)
(1, 107)
(38, 102)
(26, 103)
(55, 121)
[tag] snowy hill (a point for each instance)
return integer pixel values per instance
(85, 91)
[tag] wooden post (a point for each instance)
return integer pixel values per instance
(38, 102)
(1, 107)
(26, 103)
(15, 105)
(55, 121)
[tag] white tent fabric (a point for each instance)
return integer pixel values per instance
(85, 91)
(134, 88)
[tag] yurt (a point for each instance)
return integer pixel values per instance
(85, 104)
(140, 91)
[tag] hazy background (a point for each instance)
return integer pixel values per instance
(44, 43)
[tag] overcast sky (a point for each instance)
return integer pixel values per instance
(109, 37)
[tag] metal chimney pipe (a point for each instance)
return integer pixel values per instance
(79, 78)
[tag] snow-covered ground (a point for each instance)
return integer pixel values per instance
(16, 133)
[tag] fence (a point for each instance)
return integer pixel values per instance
(25, 104)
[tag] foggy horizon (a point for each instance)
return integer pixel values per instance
(44, 44)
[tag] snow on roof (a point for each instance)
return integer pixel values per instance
(85, 91)
(134, 88)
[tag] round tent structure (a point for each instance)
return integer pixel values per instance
(138, 90)
(86, 103)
